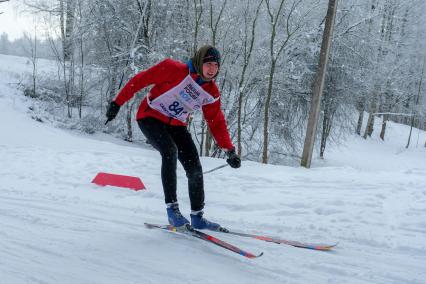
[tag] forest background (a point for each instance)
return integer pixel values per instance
(270, 51)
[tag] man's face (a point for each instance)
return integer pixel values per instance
(210, 70)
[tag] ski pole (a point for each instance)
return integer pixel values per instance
(212, 170)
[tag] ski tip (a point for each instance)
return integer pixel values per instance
(222, 230)
(151, 226)
(325, 247)
(332, 246)
(253, 256)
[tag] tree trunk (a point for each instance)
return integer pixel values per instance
(247, 57)
(67, 10)
(385, 34)
(383, 131)
(413, 112)
(411, 131)
(326, 128)
(319, 85)
(213, 25)
(203, 128)
(69, 29)
(129, 136)
(374, 106)
(266, 114)
(34, 60)
(147, 17)
(80, 104)
(62, 22)
(359, 124)
(239, 122)
(198, 12)
(209, 141)
(370, 125)
(114, 73)
(82, 57)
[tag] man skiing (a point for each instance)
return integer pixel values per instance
(178, 90)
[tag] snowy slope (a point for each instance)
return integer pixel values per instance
(57, 227)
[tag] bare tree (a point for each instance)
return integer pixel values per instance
(32, 44)
(248, 45)
(142, 31)
(273, 57)
(361, 100)
(276, 47)
(67, 13)
(385, 36)
(413, 112)
(213, 26)
(389, 94)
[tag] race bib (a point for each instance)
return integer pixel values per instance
(182, 100)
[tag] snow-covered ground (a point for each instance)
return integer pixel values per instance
(57, 227)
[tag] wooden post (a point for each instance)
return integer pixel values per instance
(319, 85)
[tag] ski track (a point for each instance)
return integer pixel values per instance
(77, 227)
(56, 227)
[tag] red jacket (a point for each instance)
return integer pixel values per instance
(164, 76)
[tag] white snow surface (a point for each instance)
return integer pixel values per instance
(58, 227)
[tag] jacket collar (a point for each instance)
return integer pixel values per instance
(191, 67)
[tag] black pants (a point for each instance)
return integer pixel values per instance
(175, 142)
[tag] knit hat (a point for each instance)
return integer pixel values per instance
(204, 54)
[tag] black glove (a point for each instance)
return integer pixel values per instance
(112, 111)
(233, 159)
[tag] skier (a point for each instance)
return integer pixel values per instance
(178, 90)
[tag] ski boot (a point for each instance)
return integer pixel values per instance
(199, 222)
(176, 219)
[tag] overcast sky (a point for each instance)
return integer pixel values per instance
(13, 21)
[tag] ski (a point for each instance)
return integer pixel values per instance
(189, 231)
(313, 246)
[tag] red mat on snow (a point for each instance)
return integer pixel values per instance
(104, 179)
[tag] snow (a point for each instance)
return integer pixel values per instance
(57, 227)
